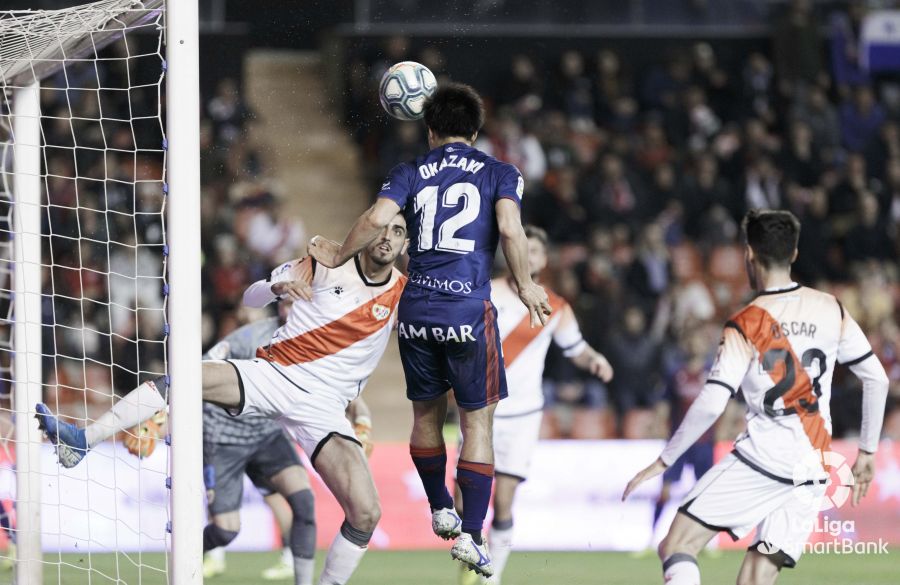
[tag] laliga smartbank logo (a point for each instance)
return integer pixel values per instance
(809, 473)
(818, 493)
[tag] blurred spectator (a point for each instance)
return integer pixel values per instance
(797, 47)
(635, 357)
(846, 67)
(861, 118)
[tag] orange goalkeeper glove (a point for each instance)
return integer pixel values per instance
(362, 426)
(141, 440)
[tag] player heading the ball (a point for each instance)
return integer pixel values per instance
(459, 203)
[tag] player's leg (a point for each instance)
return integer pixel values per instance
(342, 465)
(515, 441)
(781, 536)
(759, 568)
(225, 488)
(281, 510)
(501, 534)
(679, 549)
(429, 455)
(426, 386)
(475, 370)
(220, 385)
(277, 460)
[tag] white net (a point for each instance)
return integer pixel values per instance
(101, 68)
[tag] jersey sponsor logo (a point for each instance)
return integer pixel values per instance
(380, 312)
(454, 286)
(385, 185)
(459, 334)
(453, 161)
(520, 187)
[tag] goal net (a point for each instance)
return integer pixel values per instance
(83, 285)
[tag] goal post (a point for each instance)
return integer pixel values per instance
(102, 170)
(185, 345)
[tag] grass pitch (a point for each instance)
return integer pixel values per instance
(526, 568)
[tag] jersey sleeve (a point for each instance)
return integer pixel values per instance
(398, 185)
(733, 360)
(853, 346)
(511, 185)
(567, 334)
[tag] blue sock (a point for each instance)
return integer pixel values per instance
(474, 481)
(431, 463)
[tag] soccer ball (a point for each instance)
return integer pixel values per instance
(404, 89)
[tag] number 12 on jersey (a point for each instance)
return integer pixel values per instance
(426, 205)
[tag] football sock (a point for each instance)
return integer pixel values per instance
(431, 463)
(303, 536)
(303, 570)
(287, 555)
(134, 408)
(474, 481)
(681, 569)
(501, 544)
(343, 556)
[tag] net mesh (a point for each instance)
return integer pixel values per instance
(101, 67)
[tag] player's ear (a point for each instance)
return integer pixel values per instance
(748, 253)
(405, 247)
(474, 137)
(794, 257)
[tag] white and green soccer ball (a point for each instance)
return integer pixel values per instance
(404, 89)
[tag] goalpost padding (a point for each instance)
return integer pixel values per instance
(92, 266)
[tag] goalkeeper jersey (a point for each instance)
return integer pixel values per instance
(220, 427)
(781, 350)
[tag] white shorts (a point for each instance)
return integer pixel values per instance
(311, 416)
(735, 497)
(515, 439)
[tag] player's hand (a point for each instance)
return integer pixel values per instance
(362, 427)
(325, 251)
(863, 473)
(535, 298)
(601, 368)
(654, 469)
(297, 290)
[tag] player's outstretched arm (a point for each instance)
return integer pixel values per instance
(290, 280)
(875, 392)
(363, 232)
(706, 409)
(855, 351)
(515, 249)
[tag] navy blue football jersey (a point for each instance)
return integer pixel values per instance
(448, 198)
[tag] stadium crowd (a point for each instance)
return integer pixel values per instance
(641, 178)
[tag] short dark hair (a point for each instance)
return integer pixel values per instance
(455, 109)
(773, 236)
(533, 231)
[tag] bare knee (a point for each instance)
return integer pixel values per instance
(230, 522)
(365, 517)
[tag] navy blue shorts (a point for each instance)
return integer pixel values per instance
(699, 455)
(449, 341)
